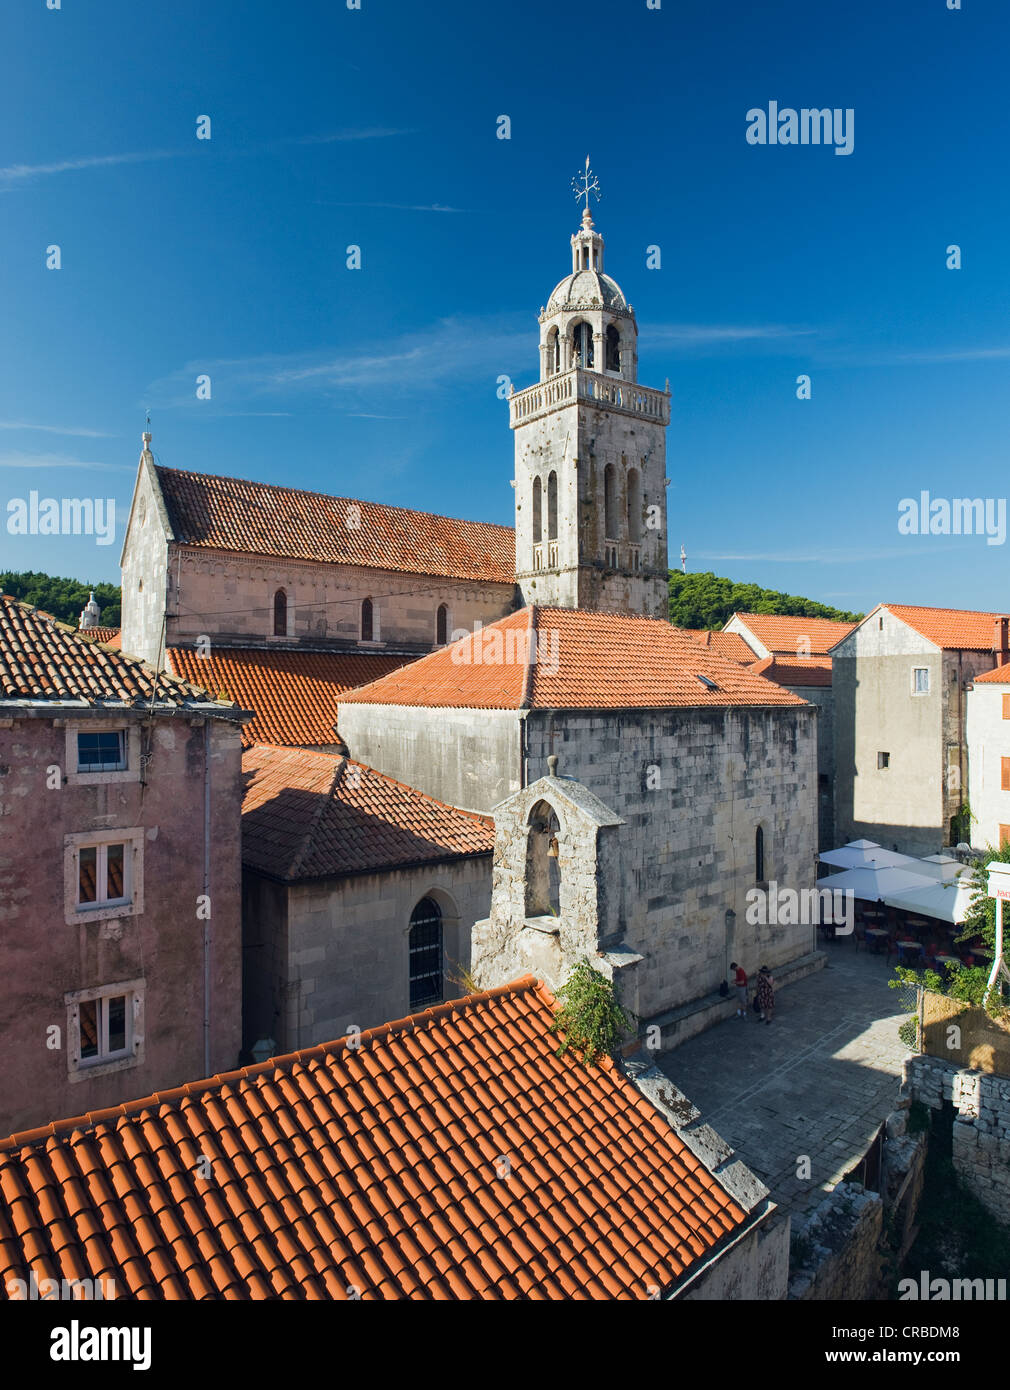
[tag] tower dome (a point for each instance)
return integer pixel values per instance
(588, 322)
(587, 287)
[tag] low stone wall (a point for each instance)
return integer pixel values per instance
(835, 1252)
(981, 1132)
(902, 1176)
(676, 1026)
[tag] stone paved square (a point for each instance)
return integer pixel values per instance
(818, 1081)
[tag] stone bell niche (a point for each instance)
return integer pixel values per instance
(557, 890)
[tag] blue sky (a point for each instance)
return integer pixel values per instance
(378, 127)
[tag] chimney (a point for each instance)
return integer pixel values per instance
(1001, 641)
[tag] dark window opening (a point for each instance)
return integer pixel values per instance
(426, 954)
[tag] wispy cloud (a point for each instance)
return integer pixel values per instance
(899, 551)
(16, 458)
(341, 136)
(12, 174)
(79, 432)
(702, 335)
(453, 350)
(394, 207)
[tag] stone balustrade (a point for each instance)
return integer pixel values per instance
(578, 384)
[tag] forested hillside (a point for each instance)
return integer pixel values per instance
(63, 598)
(706, 600)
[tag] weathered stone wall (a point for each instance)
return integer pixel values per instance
(466, 757)
(981, 1131)
(232, 597)
(44, 956)
(692, 787)
(755, 1269)
(835, 1253)
(821, 696)
(144, 565)
(324, 956)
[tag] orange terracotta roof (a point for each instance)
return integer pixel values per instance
(41, 659)
(729, 644)
(315, 815)
(294, 693)
(954, 629)
(582, 660)
(375, 1169)
(233, 514)
(814, 671)
(108, 636)
(999, 676)
(785, 635)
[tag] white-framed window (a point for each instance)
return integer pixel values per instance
(105, 1028)
(101, 751)
(920, 680)
(103, 874)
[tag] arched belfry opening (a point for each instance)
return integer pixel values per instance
(582, 344)
(543, 874)
(613, 349)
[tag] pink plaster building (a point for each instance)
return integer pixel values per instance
(120, 875)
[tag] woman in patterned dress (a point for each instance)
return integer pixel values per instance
(765, 994)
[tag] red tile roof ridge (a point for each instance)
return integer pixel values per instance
(318, 812)
(411, 1023)
(329, 496)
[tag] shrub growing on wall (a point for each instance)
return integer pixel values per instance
(590, 1018)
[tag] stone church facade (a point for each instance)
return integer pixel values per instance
(707, 771)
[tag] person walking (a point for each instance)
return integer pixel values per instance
(766, 994)
(740, 980)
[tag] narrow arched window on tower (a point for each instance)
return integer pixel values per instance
(280, 613)
(442, 625)
(613, 349)
(552, 506)
(367, 620)
(634, 505)
(610, 502)
(582, 344)
(759, 855)
(538, 522)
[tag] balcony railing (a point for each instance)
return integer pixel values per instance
(577, 384)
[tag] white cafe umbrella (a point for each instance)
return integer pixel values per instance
(871, 883)
(947, 902)
(938, 866)
(864, 853)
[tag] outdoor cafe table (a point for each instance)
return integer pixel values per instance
(913, 948)
(875, 936)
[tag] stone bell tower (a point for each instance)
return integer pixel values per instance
(590, 451)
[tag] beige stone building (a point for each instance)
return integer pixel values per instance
(795, 653)
(900, 682)
(711, 769)
(120, 933)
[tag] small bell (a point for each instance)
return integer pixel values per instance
(552, 848)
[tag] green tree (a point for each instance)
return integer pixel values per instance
(63, 598)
